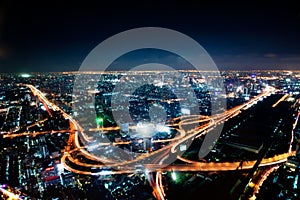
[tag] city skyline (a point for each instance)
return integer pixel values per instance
(237, 35)
(73, 136)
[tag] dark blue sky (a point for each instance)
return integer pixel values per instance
(56, 36)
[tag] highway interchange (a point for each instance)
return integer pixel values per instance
(155, 162)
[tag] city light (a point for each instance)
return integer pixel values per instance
(174, 177)
(99, 121)
(45, 145)
(25, 75)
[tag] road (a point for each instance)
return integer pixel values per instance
(78, 134)
(198, 126)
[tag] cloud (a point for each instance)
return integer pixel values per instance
(270, 55)
(292, 58)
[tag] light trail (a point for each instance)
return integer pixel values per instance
(10, 195)
(293, 131)
(192, 167)
(261, 181)
(280, 100)
(159, 186)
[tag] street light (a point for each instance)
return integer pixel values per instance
(174, 177)
(99, 121)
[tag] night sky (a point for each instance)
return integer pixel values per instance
(57, 36)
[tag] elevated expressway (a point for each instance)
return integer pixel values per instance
(198, 126)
